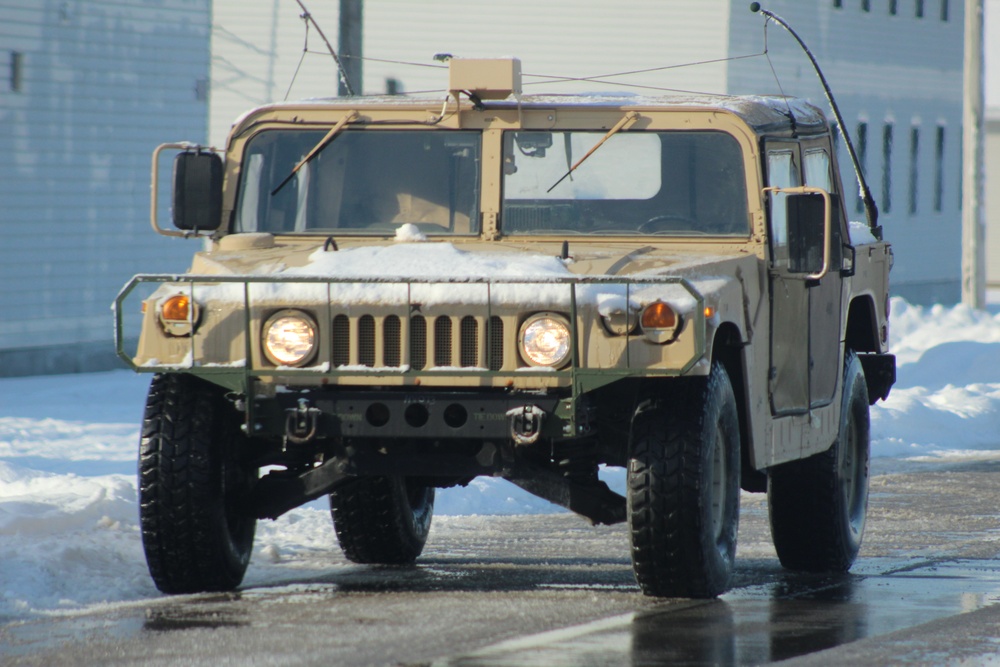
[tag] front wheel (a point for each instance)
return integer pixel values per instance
(196, 531)
(382, 520)
(818, 505)
(683, 488)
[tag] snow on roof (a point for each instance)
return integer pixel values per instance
(763, 113)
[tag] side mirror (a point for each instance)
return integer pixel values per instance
(197, 202)
(808, 216)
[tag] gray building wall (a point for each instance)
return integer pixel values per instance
(993, 198)
(886, 69)
(87, 90)
(900, 71)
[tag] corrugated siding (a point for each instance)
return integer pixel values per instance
(104, 82)
(992, 141)
(567, 38)
(883, 68)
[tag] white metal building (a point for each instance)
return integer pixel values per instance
(895, 66)
(991, 48)
(87, 90)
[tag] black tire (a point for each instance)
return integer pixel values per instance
(196, 532)
(382, 520)
(683, 488)
(818, 505)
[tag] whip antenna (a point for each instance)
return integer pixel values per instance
(340, 67)
(871, 209)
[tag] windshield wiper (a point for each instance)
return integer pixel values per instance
(323, 143)
(620, 125)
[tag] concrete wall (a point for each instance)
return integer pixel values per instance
(87, 90)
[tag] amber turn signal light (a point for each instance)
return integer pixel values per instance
(176, 309)
(659, 315)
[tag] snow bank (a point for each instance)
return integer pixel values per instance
(69, 536)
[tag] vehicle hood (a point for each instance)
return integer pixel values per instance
(451, 261)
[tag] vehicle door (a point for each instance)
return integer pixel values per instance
(805, 313)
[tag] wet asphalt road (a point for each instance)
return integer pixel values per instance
(551, 590)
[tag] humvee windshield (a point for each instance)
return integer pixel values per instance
(671, 183)
(363, 182)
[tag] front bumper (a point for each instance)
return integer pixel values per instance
(306, 415)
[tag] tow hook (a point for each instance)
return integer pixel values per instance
(526, 424)
(301, 423)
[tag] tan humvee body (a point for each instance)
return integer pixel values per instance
(780, 333)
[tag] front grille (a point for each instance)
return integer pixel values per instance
(378, 342)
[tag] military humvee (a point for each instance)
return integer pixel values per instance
(397, 295)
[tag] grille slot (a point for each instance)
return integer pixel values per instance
(442, 341)
(341, 340)
(391, 342)
(418, 342)
(366, 341)
(468, 354)
(494, 343)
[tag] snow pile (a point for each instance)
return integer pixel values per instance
(945, 404)
(69, 535)
(409, 233)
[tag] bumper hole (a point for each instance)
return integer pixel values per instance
(415, 415)
(377, 414)
(455, 415)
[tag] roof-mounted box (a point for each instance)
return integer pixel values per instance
(486, 78)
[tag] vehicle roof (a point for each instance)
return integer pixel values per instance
(768, 115)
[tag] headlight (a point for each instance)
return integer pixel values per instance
(545, 340)
(289, 338)
(178, 315)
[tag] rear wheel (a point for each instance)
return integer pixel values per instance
(818, 505)
(196, 532)
(683, 488)
(382, 520)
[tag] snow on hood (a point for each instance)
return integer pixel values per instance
(446, 274)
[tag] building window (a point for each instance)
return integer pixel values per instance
(944, 10)
(887, 167)
(838, 4)
(866, 5)
(862, 150)
(914, 167)
(939, 169)
(893, 7)
(16, 71)
(920, 9)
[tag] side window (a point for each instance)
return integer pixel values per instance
(819, 173)
(782, 172)
(817, 168)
